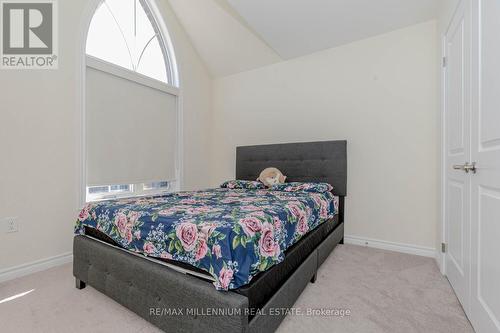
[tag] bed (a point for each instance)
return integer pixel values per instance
(183, 299)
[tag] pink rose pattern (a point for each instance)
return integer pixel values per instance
(225, 277)
(232, 234)
(187, 233)
(202, 249)
(85, 212)
(250, 225)
(149, 248)
(217, 251)
(127, 225)
(165, 255)
(268, 244)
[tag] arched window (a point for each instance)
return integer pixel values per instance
(132, 118)
(127, 34)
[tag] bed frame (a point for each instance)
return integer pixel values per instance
(177, 302)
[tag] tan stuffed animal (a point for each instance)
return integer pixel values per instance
(271, 176)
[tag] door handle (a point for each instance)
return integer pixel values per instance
(466, 167)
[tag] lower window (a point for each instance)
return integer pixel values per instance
(156, 186)
(106, 192)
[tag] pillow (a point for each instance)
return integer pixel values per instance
(302, 187)
(243, 184)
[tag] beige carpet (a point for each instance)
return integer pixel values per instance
(384, 292)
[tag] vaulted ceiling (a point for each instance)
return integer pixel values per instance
(226, 43)
(239, 35)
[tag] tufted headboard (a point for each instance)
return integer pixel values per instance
(324, 161)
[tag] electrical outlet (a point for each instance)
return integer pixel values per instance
(11, 224)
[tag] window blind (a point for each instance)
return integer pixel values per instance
(131, 131)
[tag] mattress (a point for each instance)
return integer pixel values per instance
(263, 285)
(232, 234)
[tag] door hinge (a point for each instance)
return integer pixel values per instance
(444, 61)
(443, 247)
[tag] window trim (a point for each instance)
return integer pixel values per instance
(160, 12)
(127, 74)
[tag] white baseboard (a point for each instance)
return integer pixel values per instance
(35, 266)
(391, 246)
(440, 262)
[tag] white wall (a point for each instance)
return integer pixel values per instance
(381, 95)
(39, 171)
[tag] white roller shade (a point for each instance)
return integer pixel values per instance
(131, 131)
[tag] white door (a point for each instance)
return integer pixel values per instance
(485, 184)
(457, 153)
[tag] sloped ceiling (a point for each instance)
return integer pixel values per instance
(238, 35)
(298, 27)
(222, 39)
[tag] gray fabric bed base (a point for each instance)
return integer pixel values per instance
(176, 302)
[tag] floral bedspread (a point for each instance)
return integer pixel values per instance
(233, 234)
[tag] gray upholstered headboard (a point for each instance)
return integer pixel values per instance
(324, 161)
